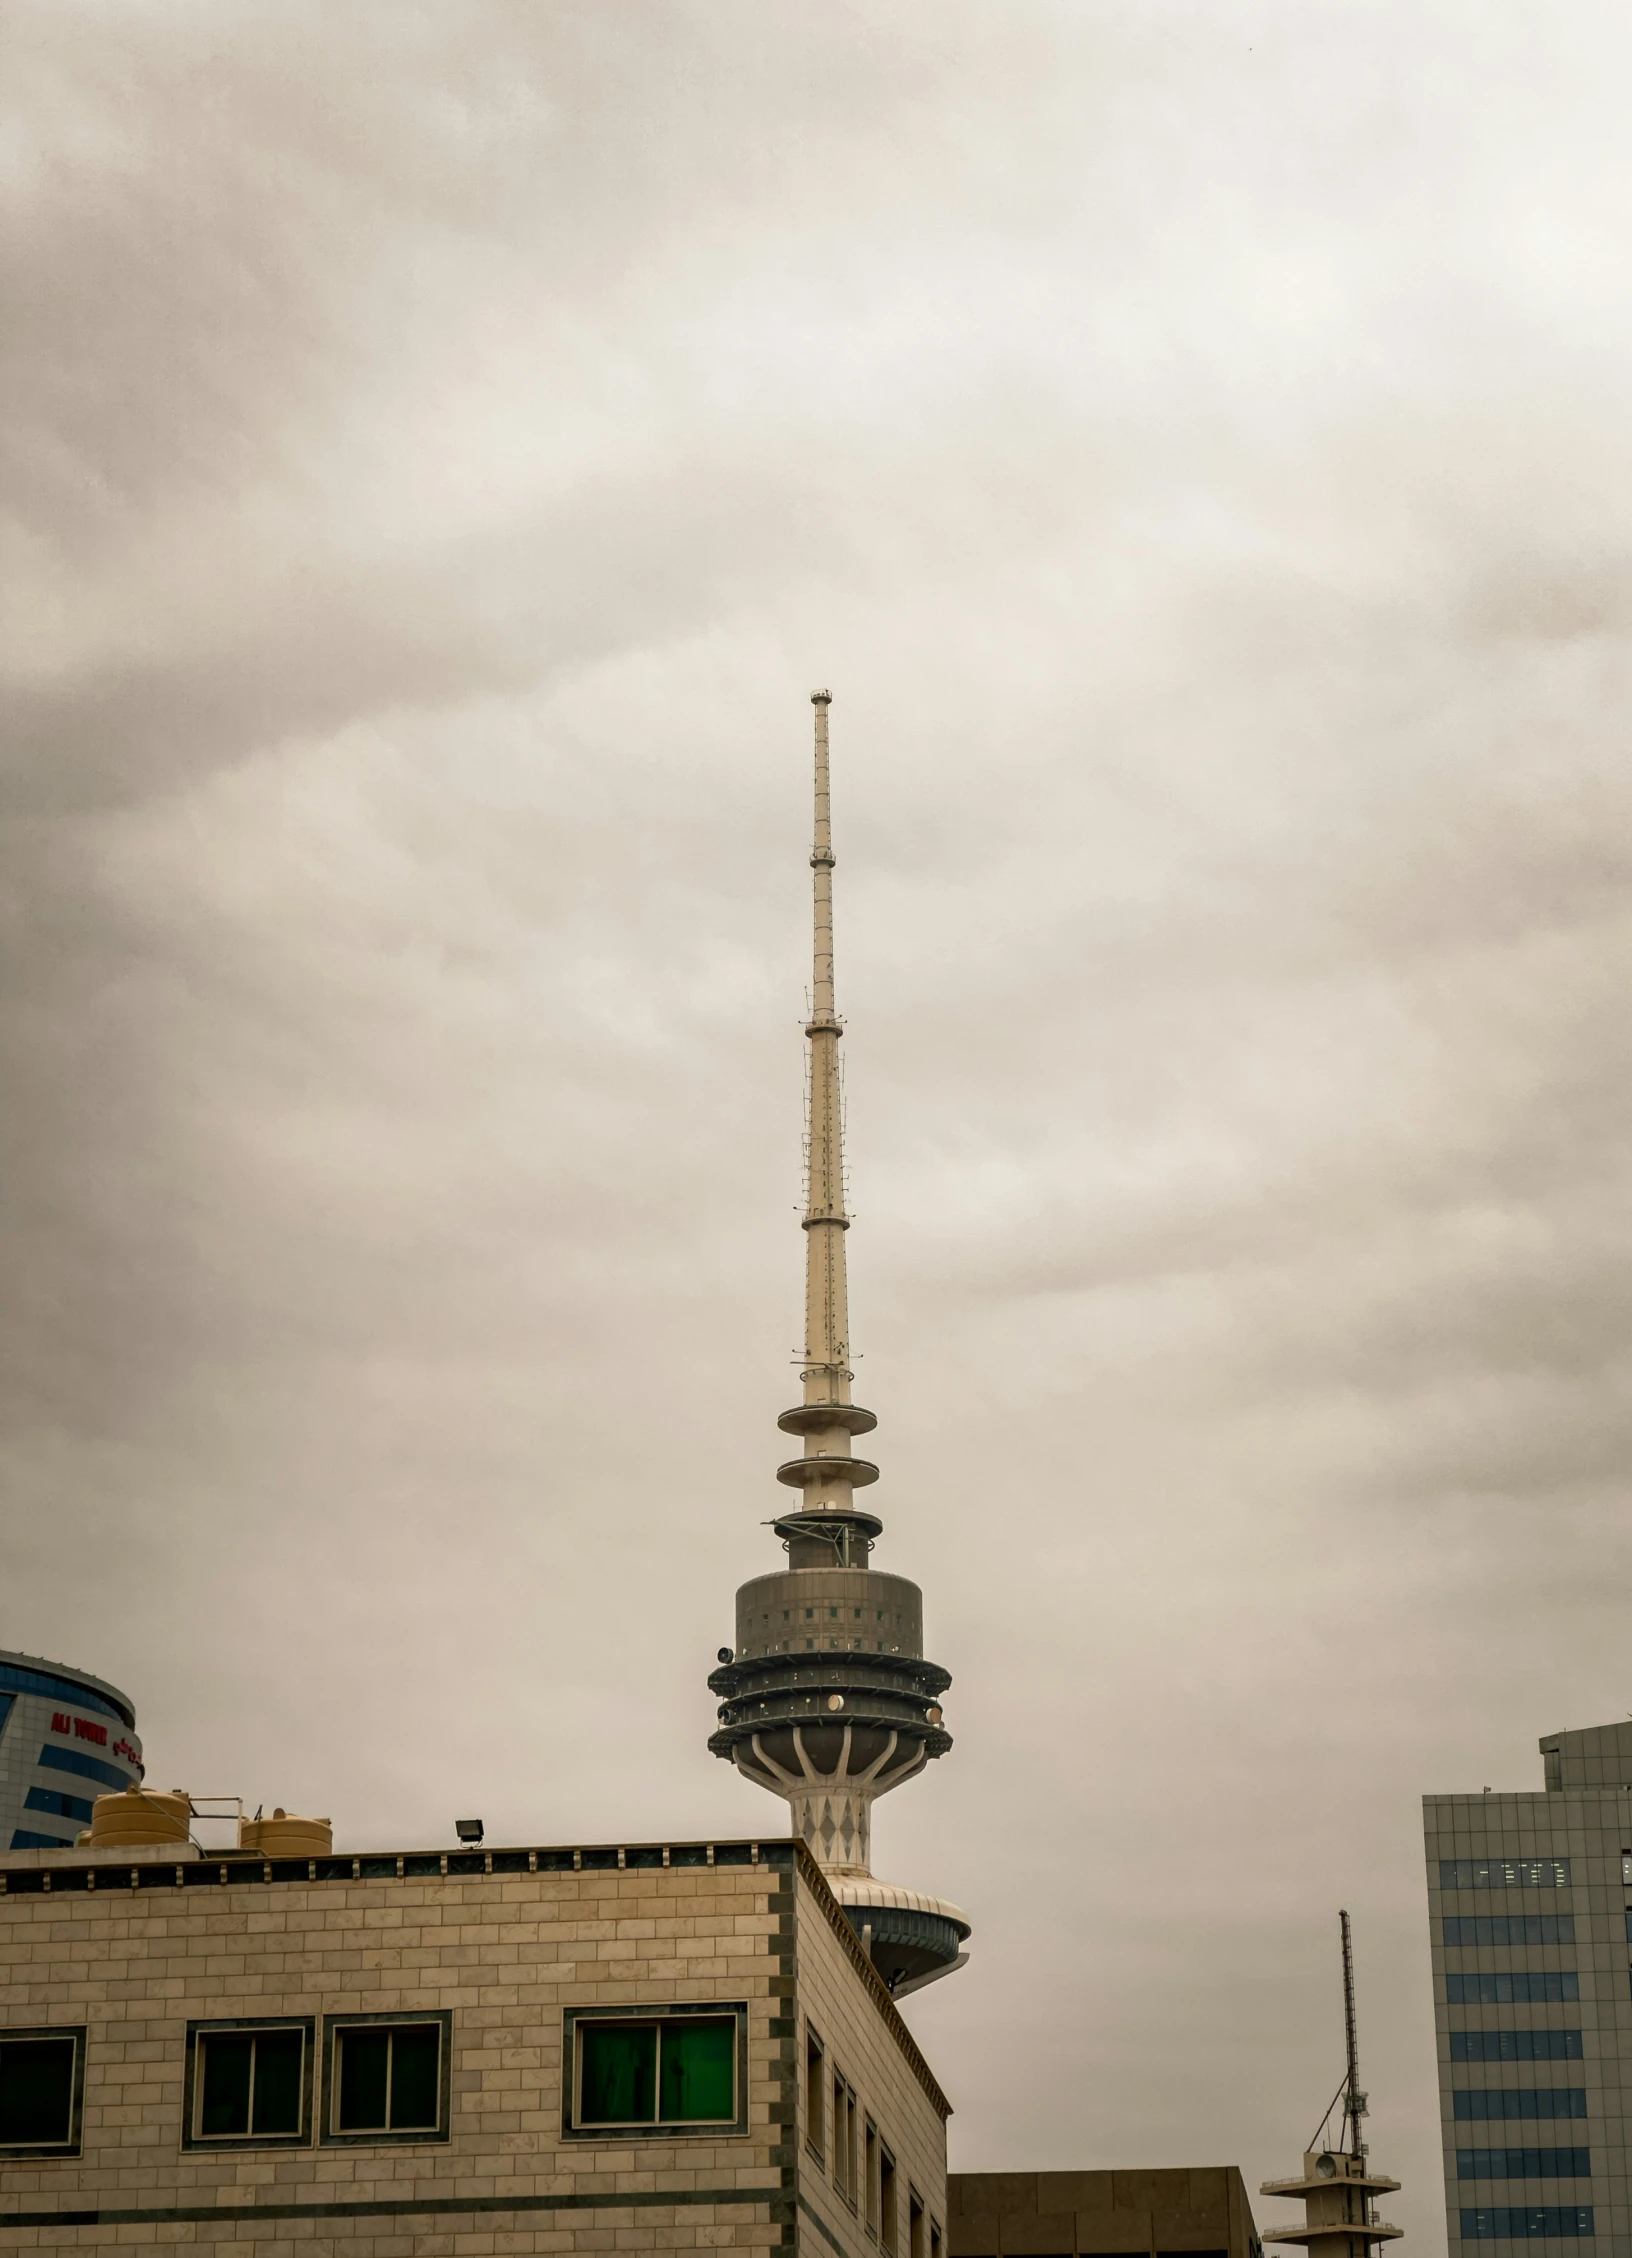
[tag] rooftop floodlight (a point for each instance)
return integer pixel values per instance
(725, 1654)
(468, 1830)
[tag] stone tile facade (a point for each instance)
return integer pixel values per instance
(133, 1952)
(1200, 2212)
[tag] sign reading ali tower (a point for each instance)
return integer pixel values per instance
(65, 1739)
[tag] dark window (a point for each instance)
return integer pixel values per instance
(1538, 1988)
(388, 2078)
(87, 1767)
(1504, 1873)
(1463, 1929)
(915, 2224)
(39, 2079)
(886, 2199)
(934, 2239)
(1515, 2046)
(55, 1800)
(1525, 2101)
(249, 2084)
(1524, 2163)
(679, 2072)
(1517, 2225)
(815, 2096)
(16, 1681)
(24, 1838)
(844, 2140)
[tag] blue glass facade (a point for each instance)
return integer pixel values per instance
(56, 1721)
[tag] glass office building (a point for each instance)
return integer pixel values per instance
(1530, 1907)
(65, 1739)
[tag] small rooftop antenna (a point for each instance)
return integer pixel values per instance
(1354, 2101)
(1348, 2095)
(1337, 2184)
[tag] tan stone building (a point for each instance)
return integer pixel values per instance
(1176, 2213)
(648, 2046)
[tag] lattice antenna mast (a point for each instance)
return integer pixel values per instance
(1354, 2101)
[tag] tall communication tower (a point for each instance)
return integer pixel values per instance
(826, 1697)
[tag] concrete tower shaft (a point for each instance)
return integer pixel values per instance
(826, 1697)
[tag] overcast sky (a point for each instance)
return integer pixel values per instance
(446, 446)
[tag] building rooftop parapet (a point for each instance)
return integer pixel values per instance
(72, 1854)
(412, 1865)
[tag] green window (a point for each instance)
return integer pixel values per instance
(37, 2092)
(248, 2084)
(388, 2078)
(665, 2072)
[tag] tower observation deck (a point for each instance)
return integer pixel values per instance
(826, 1697)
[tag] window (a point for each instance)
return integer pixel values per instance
(915, 2225)
(42, 2082)
(1515, 2046)
(934, 2238)
(886, 2198)
(1515, 2225)
(248, 2084)
(1463, 1929)
(815, 2095)
(844, 2140)
(1541, 1988)
(869, 2176)
(1524, 2163)
(60, 1804)
(1504, 1873)
(629, 2070)
(387, 2077)
(1527, 2101)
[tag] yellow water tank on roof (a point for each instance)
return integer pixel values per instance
(137, 1817)
(285, 1836)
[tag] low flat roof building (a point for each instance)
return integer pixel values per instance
(1184, 2212)
(639, 2046)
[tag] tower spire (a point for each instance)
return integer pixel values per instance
(827, 1318)
(826, 1698)
(828, 1470)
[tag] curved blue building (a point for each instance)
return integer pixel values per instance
(65, 1738)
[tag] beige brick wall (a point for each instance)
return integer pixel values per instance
(866, 2040)
(507, 1955)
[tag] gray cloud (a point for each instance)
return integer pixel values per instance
(443, 449)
